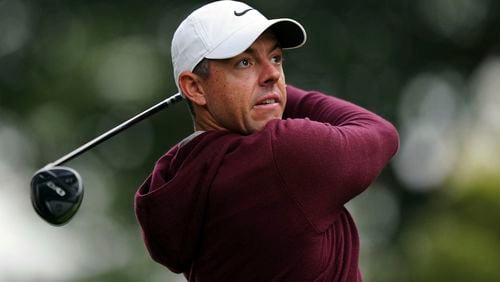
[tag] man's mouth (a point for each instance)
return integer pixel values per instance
(267, 102)
(269, 99)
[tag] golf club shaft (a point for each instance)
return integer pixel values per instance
(112, 132)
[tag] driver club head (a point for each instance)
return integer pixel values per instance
(56, 193)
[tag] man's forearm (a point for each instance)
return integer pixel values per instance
(323, 108)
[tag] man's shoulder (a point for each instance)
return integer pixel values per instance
(275, 131)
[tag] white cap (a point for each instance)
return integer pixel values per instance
(225, 29)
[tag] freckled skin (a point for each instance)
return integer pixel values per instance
(236, 85)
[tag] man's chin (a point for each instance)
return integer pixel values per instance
(260, 125)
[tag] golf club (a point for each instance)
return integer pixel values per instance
(57, 191)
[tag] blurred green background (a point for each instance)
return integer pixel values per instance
(69, 70)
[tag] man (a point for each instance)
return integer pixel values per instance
(257, 193)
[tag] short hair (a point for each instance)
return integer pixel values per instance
(202, 69)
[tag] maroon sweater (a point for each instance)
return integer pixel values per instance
(267, 206)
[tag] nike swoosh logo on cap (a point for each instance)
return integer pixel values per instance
(239, 14)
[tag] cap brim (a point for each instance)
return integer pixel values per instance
(290, 34)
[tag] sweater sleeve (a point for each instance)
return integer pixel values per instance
(327, 151)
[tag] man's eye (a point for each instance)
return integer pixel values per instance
(244, 63)
(277, 59)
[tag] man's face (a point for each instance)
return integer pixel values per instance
(245, 92)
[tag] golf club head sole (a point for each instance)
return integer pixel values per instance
(56, 194)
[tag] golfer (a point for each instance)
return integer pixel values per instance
(257, 192)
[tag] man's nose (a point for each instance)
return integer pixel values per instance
(270, 73)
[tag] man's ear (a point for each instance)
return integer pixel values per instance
(191, 87)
